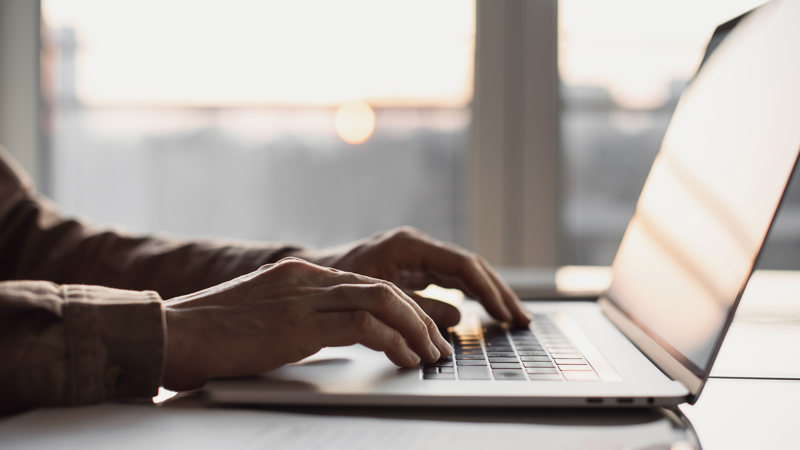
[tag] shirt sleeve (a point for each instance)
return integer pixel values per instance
(91, 325)
(75, 344)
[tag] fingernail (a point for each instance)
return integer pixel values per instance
(435, 353)
(448, 350)
(444, 347)
(415, 359)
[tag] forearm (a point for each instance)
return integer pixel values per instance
(38, 243)
(72, 344)
(81, 255)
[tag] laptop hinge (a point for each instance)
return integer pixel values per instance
(647, 345)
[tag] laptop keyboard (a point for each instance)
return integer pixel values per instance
(500, 352)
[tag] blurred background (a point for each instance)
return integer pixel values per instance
(320, 122)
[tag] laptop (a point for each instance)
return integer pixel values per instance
(680, 270)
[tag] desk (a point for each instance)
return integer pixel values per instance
(187, 425)
(741, 407)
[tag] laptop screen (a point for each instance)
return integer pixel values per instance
(713, 190)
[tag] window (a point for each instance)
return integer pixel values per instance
(202, 119)
(313, 122)
(623, 65)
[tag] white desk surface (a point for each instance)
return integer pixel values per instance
(179, 426)
(741, 407)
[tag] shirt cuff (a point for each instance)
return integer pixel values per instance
(115, 341)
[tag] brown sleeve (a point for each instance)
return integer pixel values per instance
(37, 243)
(74, 344)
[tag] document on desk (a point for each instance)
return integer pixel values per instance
(142, 426)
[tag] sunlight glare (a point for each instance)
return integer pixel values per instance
(355, 122)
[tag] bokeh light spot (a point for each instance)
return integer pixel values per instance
(355, 122)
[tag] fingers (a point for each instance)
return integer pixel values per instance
(455, 268)
(360, 327)
(337, 291)
(510, 299)
(444, 314)
(392, 307)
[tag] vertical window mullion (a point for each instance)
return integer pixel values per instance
(514, 155)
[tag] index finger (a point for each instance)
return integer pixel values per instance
(511, 300)
(455, 268)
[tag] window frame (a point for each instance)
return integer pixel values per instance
(514, 163)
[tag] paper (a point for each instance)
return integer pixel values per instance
(151, 427)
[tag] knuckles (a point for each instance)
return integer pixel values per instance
(405, 233)
(292, 265)
(383, 293)
(293, 268)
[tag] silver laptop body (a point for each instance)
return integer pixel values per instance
(679, 273)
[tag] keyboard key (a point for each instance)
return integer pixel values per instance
(538, 364)
(444, 363)
(438, 376)
(501, 354)
(469, 352)
(535, 358)
(499, 348)
(495, 365)
(520, 332)
(473, 373)
(468, 334)
(472, 362)
(447, 370)
(471, 356)
(527, 342)
(569, 361)
(508, 374)
(532, 353)
(531, 348)
(559, 356)
(541, 370)
(499, 359)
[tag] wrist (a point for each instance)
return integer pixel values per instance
(181, 371)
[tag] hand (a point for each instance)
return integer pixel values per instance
(286, 311)
(412, 260)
